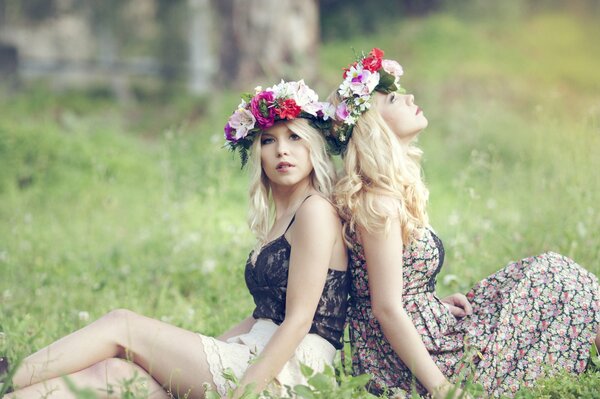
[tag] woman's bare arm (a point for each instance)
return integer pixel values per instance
(312, 241)
(241, 328)
(383, 253)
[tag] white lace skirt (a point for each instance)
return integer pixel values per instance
(235, 354)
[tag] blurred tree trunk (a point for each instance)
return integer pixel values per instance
(227, 46)
(105, 17)
(265, 40)
(201, 55)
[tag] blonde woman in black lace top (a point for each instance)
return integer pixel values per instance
(296, 275)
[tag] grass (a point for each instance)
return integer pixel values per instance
(104, 206)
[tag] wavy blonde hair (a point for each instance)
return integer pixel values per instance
(323, 176)
(378, 165)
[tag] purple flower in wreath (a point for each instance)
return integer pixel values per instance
(262, 108)
(229, 133)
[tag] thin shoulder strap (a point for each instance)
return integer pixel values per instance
(294, 217)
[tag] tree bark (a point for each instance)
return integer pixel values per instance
(201, 65)
(265, 40)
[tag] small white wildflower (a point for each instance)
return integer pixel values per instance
(191, 312)
(458, 240)
(487, 224)
(449, 279)
(515, 217)
(209, 265)
(473, 194)
(83, 316)
(182, 244)
(581, 230)
(344, 89)
(454, 218)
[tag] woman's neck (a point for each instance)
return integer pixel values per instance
(288, 198)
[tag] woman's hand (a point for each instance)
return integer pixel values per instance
(458, 304)
(449, 391)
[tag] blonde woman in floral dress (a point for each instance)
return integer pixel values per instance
(296, 275)
(535, 315)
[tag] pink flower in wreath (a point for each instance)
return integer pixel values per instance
(242, 121)
(342, 112)
(392, 67)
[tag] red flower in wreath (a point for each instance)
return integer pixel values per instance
(288, 109)
(372, 63)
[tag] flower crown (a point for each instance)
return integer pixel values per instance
(362, 78)
(284, 101)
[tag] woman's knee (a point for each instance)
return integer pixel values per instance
(119, 318)
(119, 315)
(116, 324)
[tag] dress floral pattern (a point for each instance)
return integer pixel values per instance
(532, 317)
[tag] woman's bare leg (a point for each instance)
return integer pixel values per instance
(172, 356)
(107, 379)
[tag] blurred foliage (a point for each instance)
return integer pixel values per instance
(344, 18)
(341, 19)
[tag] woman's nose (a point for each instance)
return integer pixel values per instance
(411, 99)
(282, 148)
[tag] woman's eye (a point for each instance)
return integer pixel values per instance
(266, 140)
(294, 136)
(393, 97)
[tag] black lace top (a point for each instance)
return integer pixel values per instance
(267, 282)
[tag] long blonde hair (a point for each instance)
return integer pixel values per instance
(377, 165)
(260, 216)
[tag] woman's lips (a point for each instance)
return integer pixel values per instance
(284, 166)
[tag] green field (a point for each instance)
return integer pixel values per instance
(105, 206)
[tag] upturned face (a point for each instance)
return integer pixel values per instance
(401, 114)
(285, 156)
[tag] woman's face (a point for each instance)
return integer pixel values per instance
(401, 114)
(285, 156)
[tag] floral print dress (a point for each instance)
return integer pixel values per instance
(532, 317)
